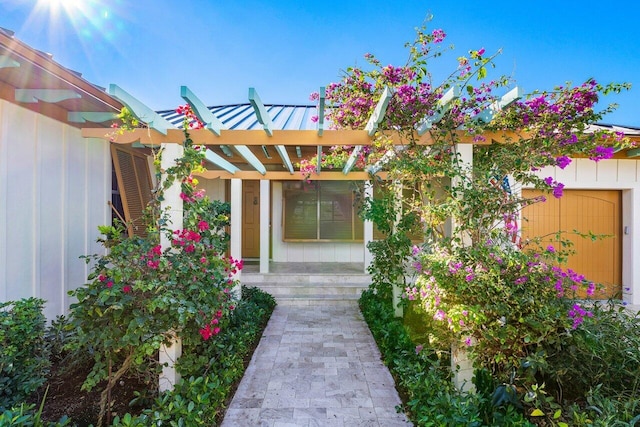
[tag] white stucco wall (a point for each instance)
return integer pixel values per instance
(615, 174)
(307, 251)
(54, 188)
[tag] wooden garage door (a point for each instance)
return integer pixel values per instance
(596, 211)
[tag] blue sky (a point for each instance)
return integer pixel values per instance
(287, 49)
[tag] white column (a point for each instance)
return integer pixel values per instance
(169, 355)
(461, 364)
(236, 226)
(397, 288)
(265, 226)
(172, 205)
(466, 159)
(462, 367)
(368, 228)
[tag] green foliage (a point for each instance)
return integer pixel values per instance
(141, 294)
(24, 415)
(423, 376)
(604, 354)
(392, 251)
(508, 302)
(477, 282)
(24, 359)
(210, 369)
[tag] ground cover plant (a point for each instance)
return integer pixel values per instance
(452, 243)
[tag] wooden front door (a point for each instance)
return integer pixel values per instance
(595, 211)
(251, 219)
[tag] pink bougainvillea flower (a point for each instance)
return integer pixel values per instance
(206, 332)
(440, 315)
(557, 190)
(126, 289)
(563, 161)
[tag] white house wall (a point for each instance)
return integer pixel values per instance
(615, 174)
(213, 188)
(54, 188)
(307, 251)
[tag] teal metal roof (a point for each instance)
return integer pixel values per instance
(243, 116)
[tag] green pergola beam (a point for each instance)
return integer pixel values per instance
(263, 117)
(90, 116)
(201, 111)
(215, 125)
(45, 95)
(378, 113)
(282, 151)
(7, 62)
(443, 106)
(141, 111)
(261, 112)
(507, 99)
(322, 100)
(371, 127)
(634, 152)
(251, 158)
(221, 162)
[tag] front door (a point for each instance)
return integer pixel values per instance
(251, 219)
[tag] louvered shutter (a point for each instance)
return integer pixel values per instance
(134, 183)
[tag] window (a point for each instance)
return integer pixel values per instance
(321, 210)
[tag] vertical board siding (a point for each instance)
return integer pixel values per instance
(54, 186)
(49, 214)
(21, 194)
(4, 138)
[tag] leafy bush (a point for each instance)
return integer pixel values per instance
(142, 295)
(604, 354)
(23, 415)
(210, 369)
(24, 360)
(423, 376)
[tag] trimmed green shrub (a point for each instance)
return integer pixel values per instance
(24, 360)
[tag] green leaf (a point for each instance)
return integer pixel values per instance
(557, 414)
(482, 73)
(537, 413)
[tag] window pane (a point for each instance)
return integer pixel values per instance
(301, 214)
(336, 210)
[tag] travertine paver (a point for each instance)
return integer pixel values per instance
(316, 366)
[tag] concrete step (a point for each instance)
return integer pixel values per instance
(299, 290)
(305, 279)
(309, 289)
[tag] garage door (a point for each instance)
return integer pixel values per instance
(594, 211)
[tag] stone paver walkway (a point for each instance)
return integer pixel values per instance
(316, 366)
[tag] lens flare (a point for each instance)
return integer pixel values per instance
(94, 22)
